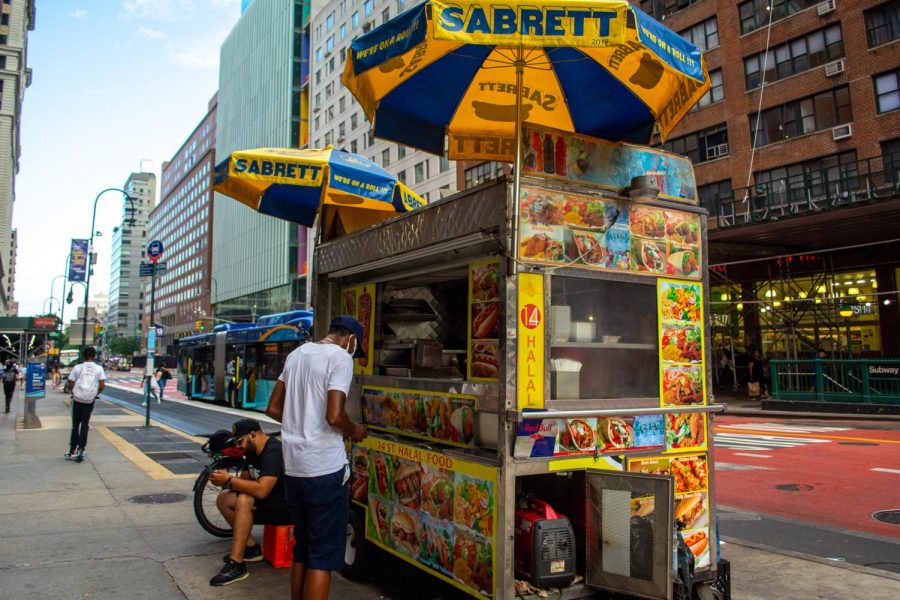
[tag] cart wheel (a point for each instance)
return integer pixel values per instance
(357, 552)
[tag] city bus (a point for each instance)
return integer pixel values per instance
(67, 360)
(239, 363)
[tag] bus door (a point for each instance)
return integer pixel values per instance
(268, 368)
(202, 375)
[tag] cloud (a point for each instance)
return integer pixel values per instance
(150, 34)
(198, 53)
(78, 14)
(155, 10)
(225, 4)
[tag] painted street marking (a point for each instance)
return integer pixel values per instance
(749, 441)
(780, 427)
(752, 455)
(882, 470)
(736, 467)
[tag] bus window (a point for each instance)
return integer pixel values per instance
(268, 367)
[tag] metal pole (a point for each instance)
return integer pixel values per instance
(62, 310)
(849, 341)
(517, 175)
(87, 278)
(150, 351)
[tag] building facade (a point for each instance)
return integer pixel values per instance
(16, 20)
(337, 119)
(257, 260)
(129, 245)
(182, 221)
(796, 150)
(10, 264)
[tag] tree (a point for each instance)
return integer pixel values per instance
(124, 346)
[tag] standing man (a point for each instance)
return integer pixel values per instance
(85, 382)
(308, 400)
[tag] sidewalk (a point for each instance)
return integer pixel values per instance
(738, 404)
(71, 531)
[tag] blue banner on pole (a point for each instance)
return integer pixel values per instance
(78, 261)
(34, 380)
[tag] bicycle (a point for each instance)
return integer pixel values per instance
(226, 455)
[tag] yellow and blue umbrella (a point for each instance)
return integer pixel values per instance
(292, 184)
(475, 71)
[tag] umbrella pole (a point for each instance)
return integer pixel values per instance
(311, 239)
(517, 165)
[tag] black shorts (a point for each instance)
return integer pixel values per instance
(271, 510)
(319, 507)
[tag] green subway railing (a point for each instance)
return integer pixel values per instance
(862, 381)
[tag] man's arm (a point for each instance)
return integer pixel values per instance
(337, 417)
(275, 409)
(258, 489)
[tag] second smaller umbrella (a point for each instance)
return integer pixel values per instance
(293, 184)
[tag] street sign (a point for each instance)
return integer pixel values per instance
(154, 250)
(146, 269)
(151, 339)
(161, 266)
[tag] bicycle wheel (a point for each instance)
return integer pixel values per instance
(205, 494)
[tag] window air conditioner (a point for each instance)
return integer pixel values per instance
(841, 132)
(826, 7)
(834, 68)
(716, 151)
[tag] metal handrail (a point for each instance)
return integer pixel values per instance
(810, 192)
(616, 412)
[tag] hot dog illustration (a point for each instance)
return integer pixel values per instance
(504, 113)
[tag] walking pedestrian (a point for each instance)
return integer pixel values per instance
(164, 376)
(54, 370)
(308, 400)
(757, 376)
(85, 382)
(10, 375)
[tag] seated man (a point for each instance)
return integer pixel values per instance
(256, 497)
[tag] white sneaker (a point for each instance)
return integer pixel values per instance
(143, 404)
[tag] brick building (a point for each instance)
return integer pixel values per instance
(799, 173)
(182, 221)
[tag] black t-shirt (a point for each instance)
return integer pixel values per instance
(270, 463)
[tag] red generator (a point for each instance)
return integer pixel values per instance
(545, 545)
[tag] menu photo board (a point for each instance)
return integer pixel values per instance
(682, 379)
(564, 228)
(359, 302)
(609, 165)
(434, 416)
(691, 476)
(430, 509)
(589, 436)
(483, 362)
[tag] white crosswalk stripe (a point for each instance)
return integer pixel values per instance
(785, 428)
(749, 441)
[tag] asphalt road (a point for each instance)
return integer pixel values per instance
(811, 486)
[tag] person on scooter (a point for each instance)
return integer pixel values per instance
(255, 497)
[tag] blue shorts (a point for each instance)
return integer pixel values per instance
(319, 509)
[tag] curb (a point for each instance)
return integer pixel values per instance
(816, 559)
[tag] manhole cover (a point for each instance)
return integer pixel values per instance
(892, 517)
(857, 443)
(794, 487)
(158, 498)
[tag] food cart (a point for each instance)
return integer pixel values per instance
(550, 347)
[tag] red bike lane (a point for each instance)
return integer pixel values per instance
(833, 478)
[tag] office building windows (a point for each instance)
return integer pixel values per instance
(802, 116)
(385, 157)
(329, 22)
(367, 7)
(798, 55)
(883, 23)
(712, 194)
(755, 13)
(704, 35)
(401, 151)
(701, 146)
(660, 9)
(483, 172)
(715, 93)
(887, 95)
(354, 20)
(343, 31)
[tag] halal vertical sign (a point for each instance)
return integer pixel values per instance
(78, 260)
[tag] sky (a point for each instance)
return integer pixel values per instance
(117, 86)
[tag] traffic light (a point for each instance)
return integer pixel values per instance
(98, 328)
(199, 325)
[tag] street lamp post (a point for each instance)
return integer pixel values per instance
(62, 293)
(51, 299)
(87, 283)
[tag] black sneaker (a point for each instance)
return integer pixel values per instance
(251, 554)
(231, 572)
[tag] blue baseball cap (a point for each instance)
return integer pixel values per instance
(349, 323)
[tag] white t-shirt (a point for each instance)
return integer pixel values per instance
(310, 445)
(86, 378)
